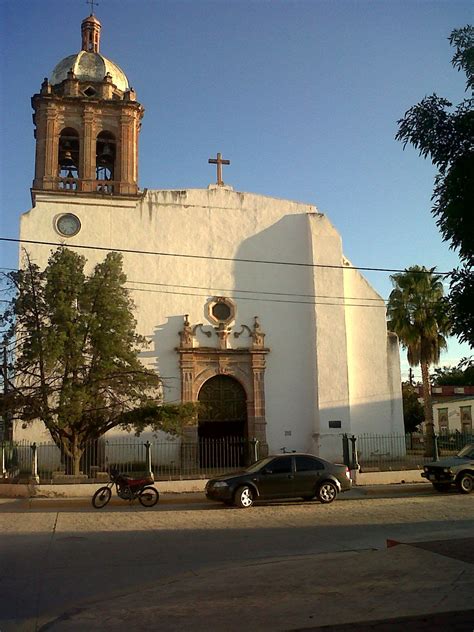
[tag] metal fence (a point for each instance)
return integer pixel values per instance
(406, 451)
(166, 460)
(177, 459)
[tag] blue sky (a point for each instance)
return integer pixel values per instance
(302, 96)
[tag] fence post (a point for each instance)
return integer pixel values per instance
(345, 450)
(354, 462)
(435, 448)
(4, 467)
(149, 471)
(34, 463)
(254, 443)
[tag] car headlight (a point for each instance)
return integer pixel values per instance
(220, 484)
(447, 470)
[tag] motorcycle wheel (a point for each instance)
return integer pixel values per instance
(101, 497)
(149, 496)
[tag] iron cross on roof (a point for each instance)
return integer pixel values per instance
(92, 3)
(219, 161)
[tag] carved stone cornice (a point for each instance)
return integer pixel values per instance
(188, 338)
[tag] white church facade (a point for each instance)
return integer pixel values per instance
(247, 300)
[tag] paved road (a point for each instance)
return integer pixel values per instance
(192, 565)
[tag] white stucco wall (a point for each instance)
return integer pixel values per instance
(327, 362)
(374, 377)
(454, 414)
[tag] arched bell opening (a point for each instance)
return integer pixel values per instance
(222, 423)
(68, 159)
(105, 161)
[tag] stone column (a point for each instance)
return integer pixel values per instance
(126, 154)
(87, 157)
(259, 423)
(46, 167)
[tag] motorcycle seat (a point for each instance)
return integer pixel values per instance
(137, 482)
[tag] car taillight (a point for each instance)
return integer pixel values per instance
(348, 473)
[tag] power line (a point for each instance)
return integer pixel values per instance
(236, 291)
(268, 300)
(214, 258)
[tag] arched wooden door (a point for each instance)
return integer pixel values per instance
(222, 422)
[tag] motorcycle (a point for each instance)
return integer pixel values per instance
(128, 489)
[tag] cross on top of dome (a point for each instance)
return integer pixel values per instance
(92, 3)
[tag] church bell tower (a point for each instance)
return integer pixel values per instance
(87, 121)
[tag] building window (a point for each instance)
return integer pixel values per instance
(466, 419)
(221, 310)
(443, 422)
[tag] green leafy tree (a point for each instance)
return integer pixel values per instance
(75, 354)
(446, 136)
(417, 313)
(460, 375)
(413, 413)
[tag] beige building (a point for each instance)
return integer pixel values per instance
(248, 300)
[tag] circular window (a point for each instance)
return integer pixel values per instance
(221, 310)
(68, 225)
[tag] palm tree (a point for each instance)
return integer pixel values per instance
(417, 312)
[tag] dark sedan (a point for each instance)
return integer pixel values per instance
(453, 470)
(283, 476)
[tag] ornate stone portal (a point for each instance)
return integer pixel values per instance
(245, 364)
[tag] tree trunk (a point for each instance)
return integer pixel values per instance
(76, 459)
(428, 408)
(73, 454)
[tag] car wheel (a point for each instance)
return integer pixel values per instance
(465, 483)
(243, 497)
(441, 487)
(327, 492)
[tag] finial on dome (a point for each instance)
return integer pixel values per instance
(90, 30)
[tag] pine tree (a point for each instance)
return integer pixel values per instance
(76, 353)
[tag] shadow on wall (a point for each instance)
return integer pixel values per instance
(282, 300)
(165, 340)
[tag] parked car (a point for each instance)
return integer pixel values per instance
(453, 470)
(282, 476)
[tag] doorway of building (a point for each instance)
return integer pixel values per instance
(222, 423)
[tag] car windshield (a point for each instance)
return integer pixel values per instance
(467, 452)
(259, 464)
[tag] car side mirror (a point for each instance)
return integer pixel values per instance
(266, 471)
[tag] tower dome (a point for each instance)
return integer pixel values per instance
(87, 123)
(88, 65)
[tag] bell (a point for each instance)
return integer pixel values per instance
(106, 156)
(67, 160)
